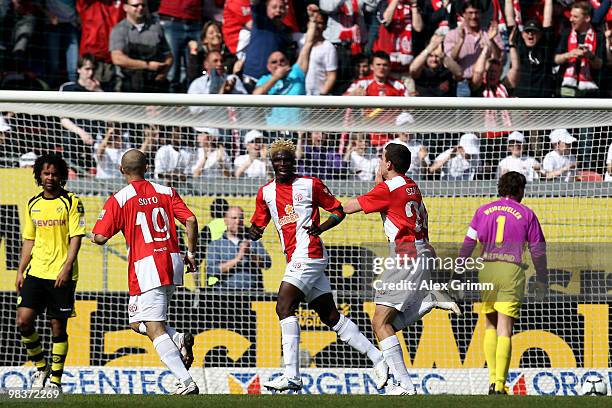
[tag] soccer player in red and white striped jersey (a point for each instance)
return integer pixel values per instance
(145, 213)
(292, 202)
(398, 199)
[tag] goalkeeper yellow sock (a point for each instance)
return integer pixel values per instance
(34, 349)
(490, 350)
(502, 361)
(59, 352)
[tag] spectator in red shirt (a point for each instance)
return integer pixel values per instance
(398, 19)
(182, 22)
(98, 17)
(236, 19)
(581, 54)
(379, 84)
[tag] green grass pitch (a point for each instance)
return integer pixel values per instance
(321, 401)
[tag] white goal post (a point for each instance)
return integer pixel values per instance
(459, 148)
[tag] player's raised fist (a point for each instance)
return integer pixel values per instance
(254, 232)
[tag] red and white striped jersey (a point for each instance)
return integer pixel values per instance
(145, 213)
(293, 206)
(403, 212)
(390, 87)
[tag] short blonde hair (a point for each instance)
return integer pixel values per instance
(282, 145)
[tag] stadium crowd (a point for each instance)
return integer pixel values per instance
(402, 48)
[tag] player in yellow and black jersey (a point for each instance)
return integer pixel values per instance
(48, 270)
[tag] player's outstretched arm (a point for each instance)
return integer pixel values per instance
(336, 217)
(352, 206)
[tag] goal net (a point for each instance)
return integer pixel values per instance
(213, 151)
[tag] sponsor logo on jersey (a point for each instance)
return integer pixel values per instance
(49, 223)
(291, 216)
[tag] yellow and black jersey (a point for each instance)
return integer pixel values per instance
(50, 223)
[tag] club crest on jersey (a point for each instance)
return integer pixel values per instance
(298, 197)
(132, 309)
(289, 217)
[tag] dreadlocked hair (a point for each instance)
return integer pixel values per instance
(282, 145)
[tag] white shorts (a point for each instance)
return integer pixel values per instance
(308, 275)
(407, 290)
(151, 306)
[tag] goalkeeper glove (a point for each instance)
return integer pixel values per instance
(541, 290)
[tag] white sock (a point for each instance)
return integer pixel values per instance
(171, 357)
(290, 335)
(350, 334)
(416, 312)
(176, 337)
(392, 352)
(142, 328)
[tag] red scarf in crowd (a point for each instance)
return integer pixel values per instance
(396, 38)
(500, 91)
(581, 79)
(501, 19)
(493, 117)
(437, 5)
(350, 31)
